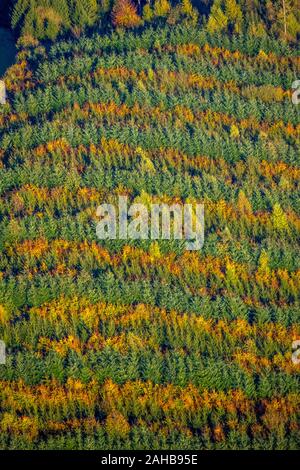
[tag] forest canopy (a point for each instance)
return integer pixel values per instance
(46, 19)
(140, 343)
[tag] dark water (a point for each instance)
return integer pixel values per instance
(7, 50)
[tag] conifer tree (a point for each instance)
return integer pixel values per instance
(161, 8)
(279, 218)
(148, 13)
(234, 14)
(83, 12)
(217, 19)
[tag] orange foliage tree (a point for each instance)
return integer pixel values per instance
(124, 14)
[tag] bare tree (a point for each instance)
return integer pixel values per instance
(284, 18)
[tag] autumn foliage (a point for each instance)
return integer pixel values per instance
(124, 14)
(141, 344)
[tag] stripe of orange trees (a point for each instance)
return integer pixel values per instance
(221, 208)
(125, 341)
(63, 309)
(216, 53)
(86, 195)
(222, 268)
(20, 72)
(139, 395)
(116, 426)
(174, 157)
(165, 77)
(181, 113)
(63, 272)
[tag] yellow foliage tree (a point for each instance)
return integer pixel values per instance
(154, 251)
(217, 19)
(161, 8)
(148, 13)
(234, 131)
(117, 425)
(191, 14)
(187, 7)
(234, 14)
(243, 204)
(4, 315)
(264, 263)
(279, 219)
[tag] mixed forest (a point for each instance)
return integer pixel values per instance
(142, 344)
